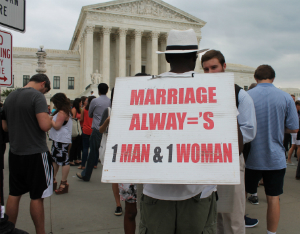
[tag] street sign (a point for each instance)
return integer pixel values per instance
(5, 58)
(173, 130)
(12, 14)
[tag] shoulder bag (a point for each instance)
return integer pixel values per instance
(103, 142)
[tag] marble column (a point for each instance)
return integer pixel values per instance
(81, 49)
(132, 55)
(149, 44)
(168, 68)
(89, 59)
(115, 66)
(154, 56)
(101, 53)
(137, 51)
(122, 51)
(163, 45)
(106, 54)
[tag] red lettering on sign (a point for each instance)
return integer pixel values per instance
(135, 122)
(195, 154)
(181, 119)
(189, 96)
(137, 98)
(206, 153)
(160, 96)
(157, 122)
(149, 99)
(212, 94)
(144, 122)
(172, 96)
(201, 97)
(126, 153)
(210, 123)
(181, 95)
(1, 40)
(183, 152)
(171, 122)
(218, 153)
(145, 153)
(227, 152)
(136, 154)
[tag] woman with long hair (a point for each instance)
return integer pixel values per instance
(61, 134)
(84, 102)
(75, 153)
(86, 131)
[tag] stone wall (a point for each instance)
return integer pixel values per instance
(62, 63)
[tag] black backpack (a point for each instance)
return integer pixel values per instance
(3, 135)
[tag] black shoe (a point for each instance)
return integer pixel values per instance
(250, 222)
(118, 211)
(253, 200)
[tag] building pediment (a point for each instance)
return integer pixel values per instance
(145, 8)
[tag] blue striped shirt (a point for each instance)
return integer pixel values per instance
(275, 111)
(246, 117)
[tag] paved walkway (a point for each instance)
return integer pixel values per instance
(89, 207)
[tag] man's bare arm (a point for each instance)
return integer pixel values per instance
(291, 131)
(44, 121)
(4, 125)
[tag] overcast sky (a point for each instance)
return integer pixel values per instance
(248, 32)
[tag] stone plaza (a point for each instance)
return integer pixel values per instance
(89, 207)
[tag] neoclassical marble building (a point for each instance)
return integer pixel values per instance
(114, 39)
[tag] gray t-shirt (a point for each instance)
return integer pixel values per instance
(97, 106)
(20, 109)
(104, 116)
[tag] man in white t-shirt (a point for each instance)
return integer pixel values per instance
(234, 222)
(170, 208)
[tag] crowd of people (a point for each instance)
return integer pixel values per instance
(265, 116)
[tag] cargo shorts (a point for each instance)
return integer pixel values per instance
(194, 215)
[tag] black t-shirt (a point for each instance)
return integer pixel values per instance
(20, 109)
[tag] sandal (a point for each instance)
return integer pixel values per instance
(63, 188)
(81, 167)
(72, 164)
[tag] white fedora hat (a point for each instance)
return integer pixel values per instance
(179, 42)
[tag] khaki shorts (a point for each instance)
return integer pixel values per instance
(194, 215)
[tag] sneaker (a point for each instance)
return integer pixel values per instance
(118, 211)
(253, 200)
(250, 222)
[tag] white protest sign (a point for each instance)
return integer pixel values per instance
(5, 59)
(173, 131)
(12, 14)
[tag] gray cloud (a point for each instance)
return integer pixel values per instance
(249, 32)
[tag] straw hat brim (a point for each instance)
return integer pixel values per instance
(180, 51)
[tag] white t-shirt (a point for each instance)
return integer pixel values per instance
(177, 192)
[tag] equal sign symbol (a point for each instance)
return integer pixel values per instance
(192, 120)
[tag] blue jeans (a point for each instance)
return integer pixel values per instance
(85, 148)
(95, 140)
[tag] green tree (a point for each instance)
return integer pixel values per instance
(5, 93)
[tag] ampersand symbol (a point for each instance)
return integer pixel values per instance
(157, 158)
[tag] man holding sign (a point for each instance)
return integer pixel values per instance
(168, 208)
(176, 134)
